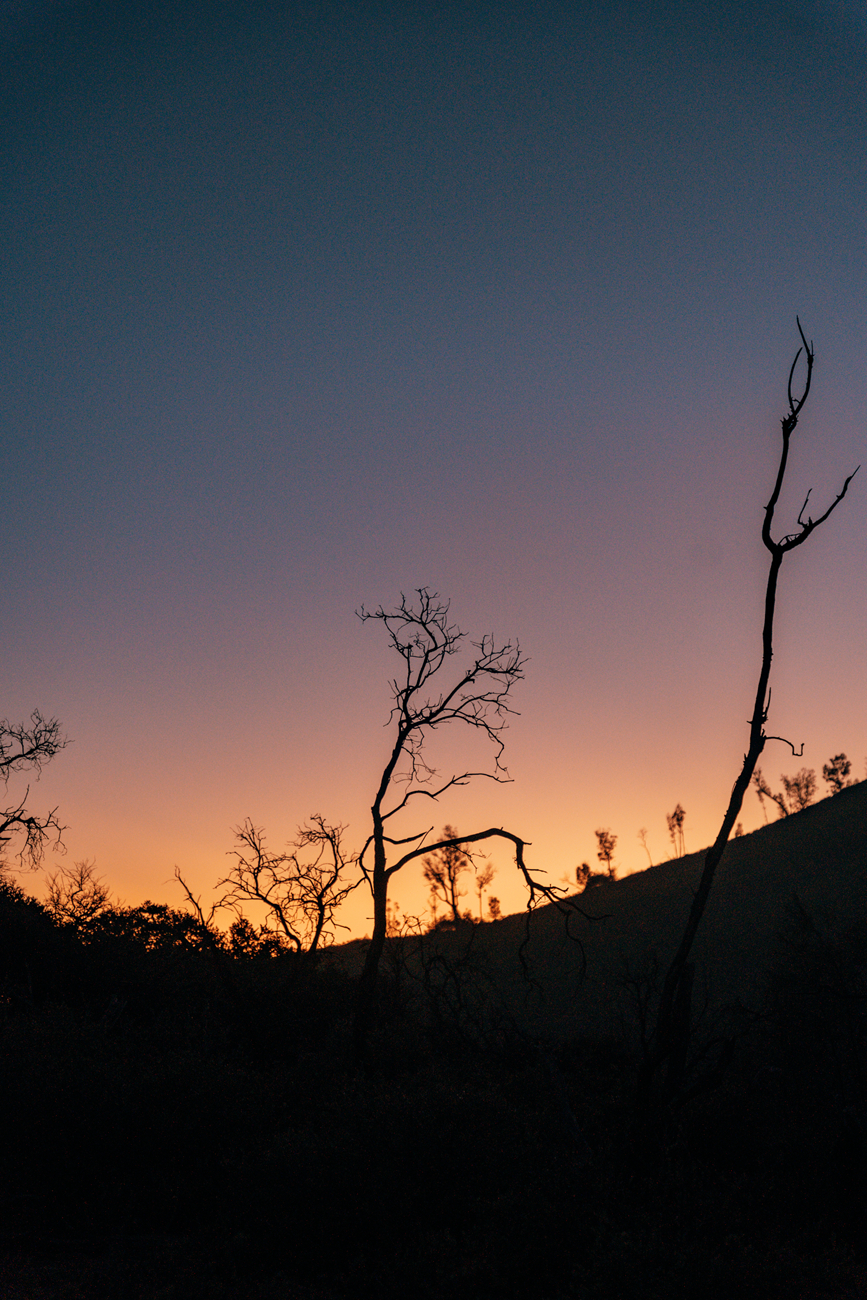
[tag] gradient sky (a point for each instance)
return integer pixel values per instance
(306, 305)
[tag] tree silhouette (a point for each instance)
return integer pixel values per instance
(799, 790)
(836, 773)
(764, 791)
(607, 843)
(300, 889)
(76, 895)
(27, 747)
(426, 702)
(483, 879)
(675, 830)
(442, 871)
(669, 1041)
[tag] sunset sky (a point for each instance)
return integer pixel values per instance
(306, 305)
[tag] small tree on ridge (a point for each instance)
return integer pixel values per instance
(675, 830)
(607, 843)
(442, 871)
(835, 773)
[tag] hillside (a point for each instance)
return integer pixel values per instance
(818, 856)
(181, 1118)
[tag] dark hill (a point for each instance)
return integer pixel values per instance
(815, 860)
(817, 857)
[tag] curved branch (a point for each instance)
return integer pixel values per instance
(796, 753)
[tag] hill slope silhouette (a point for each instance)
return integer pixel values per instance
(813, 861)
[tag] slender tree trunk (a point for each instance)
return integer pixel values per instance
(673, 1024)
(365, 997)
(669, 1042)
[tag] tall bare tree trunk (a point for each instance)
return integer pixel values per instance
(669, 1043)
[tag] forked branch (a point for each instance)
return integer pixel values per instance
(670, 1036)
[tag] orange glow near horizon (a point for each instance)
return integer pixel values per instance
(514, 336)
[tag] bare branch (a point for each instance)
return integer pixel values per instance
(463, 779)
(672, 1030)
(76, 895)
(24, 745)
(537, 891)
(300, 891)
(795, 404)
(789, 422)
(206, 922)
(796, 753)
(37, 831)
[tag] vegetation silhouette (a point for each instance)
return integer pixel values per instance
(835, 773)
(668, 1043)
(675, 823)
(426, 701)
(300, 890)
(177, 1111)
(442, 871)
(27, 747)
(192, 1111)
(798, 791)
(76, 895)
(607, 844)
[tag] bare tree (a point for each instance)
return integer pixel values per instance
(426, 702)
(442, 871)
(607, 843)
(642, 835)
(76, 895)
(27, 746)
(300, 890)
(670, 1038)
(835, 773)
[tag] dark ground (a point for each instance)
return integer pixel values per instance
(179, 1121)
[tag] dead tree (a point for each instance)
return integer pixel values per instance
(27, 746)
(300, 889)
(426, 701)
(669, 1042)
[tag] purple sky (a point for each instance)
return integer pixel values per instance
(306, 305)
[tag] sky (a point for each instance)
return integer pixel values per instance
(307, 305)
